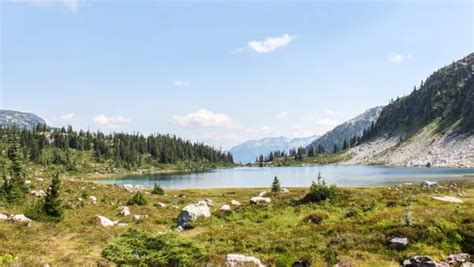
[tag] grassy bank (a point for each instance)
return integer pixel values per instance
(352, 227)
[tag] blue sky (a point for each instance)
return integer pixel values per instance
(221, 72)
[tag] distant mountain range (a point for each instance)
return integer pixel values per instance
(24, 120)
(348, 129)
(250, 150)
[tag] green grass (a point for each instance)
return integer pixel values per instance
(354, 226)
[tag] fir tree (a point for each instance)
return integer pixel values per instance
(53, 206)
(276, 185)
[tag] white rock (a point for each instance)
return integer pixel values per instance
(27, 182)
(21, 218)
(429, 184)
(256, 200)
(139, 218)
(191, 213)
(93, 199)
(209, 202)
(132, 188)
(234, 202)
(161, 205)
(38, 193)
(449, 199)
(105, 222)
(40, 179)
(122, 225)
(124, 211)
(3, 217)
(225, 207)
(262, 194)
(285, 190)
(235, 260)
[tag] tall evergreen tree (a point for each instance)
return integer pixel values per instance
(276, 185)
(53, 206)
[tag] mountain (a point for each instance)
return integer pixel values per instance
(348, 129)
(432, 126)
(9, 118)
(249, 150)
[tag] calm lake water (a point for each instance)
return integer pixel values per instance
(296, 176)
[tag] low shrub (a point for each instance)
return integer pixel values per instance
(139, 248)
(320, 191)
(316, 217)
(137, 199)
(157, 190)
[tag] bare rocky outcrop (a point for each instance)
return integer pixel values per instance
(236, 260)
(424, 149)
(191, 213)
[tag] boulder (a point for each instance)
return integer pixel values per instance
(138, 218)
(429, 184)
(122, 225)
(235, 260)
(262, 194)
(3, 217)
(132, 188)
(457, 259)
(449, 199)
(21, 218)
(398, 242)
(191, 213)
(419, 261)
(160, 205)
(234, 202)
(257, 200)
(105, 222)
(38, 193)
(300, 263)
(124, 211)
(93, 199)
(209, 202)
(285, 190)
(225, 207)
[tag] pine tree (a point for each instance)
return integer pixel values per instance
(53, 206)
(14, 187)
(276, 185)
(157, 190)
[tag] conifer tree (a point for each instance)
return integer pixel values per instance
(276, 185)
(157, 190)
(53, 206)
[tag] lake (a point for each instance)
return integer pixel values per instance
(344, 176)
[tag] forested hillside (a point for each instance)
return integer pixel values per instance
(83, 150)
(447, 95)
(432, 126)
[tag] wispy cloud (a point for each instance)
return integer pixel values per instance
(399, 57)
(202, 118)
(71, 5)
(110, 121)
(267, 45)
(282, 115)
(181, 83)
(67, 117)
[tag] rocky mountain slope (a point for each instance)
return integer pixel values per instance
(348, 129)
(9, 118)
(432, 126)
(249, 150)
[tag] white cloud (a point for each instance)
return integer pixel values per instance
(332, 112)
(67, 117)
(399, 57)
(327, 122)
(269, 44)
(282, 115)
(181, 83)
(202, 118)
(110, 122)
(71, 5)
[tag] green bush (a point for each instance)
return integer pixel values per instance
(316, 217)
(320, 191)
(157, 190)
(51, 208)
(139, 248)
(137, 199)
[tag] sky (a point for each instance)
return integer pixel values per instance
(221, 72)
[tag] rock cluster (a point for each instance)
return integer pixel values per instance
(236, 260)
